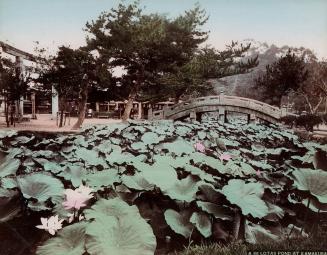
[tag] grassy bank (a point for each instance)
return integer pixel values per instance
(308, 244)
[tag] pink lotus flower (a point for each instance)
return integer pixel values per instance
(200, 147)
(75, 199)
(225, 156)
(51, 225)
(258, 173)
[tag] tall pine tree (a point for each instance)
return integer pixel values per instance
(285, 75)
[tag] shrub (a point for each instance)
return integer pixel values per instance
(308, 121)
(289, 120)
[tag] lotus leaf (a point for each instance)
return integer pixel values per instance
(257, 234)
(127, 135)
(179, 222)
(161, 175)
(219, 211)
(116, 157)
(74, 173)
(9, 183)
(275, 212)
(314, 205)
(90, 157)
(136, 182)
(314, 181)
(247, 196)
(51, 166)
(177, 162)
(233, 169)
(261, 164)
(150, 138)
(247, 169)
(198, 172)
(202, 159)
(104, 147)
(9, 166)
(22, 140)
(202, 223)
(101, 179)
(80, 141)
(202, 135)
(7, 193)
(43, 154)
(209, 193)
(183, 190)
(70, 241)
(118, 229)
(40, 186)
(182, 130)
(9, 134)
(112, 207)
(179, 147)
(139, 146)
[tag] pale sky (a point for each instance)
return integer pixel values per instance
(60, 22)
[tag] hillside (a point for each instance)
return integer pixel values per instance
(267, 54)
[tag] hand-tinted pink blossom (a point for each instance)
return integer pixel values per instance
(75, 199)
(200, 147)
(225, 156)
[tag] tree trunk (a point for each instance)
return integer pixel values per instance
(81, 106)
(129, 105)
(318, 104)
(6, 111)
(308, 103)
(12, 120)
(62, 110)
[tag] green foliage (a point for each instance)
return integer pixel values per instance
(13, 84)
(118, 229)
(313, 181)
(70, 241)
(286, 74)
(146, 46)
(179, 222)
(9, 167)
(308, 121)
(289, 120)
(165, 187)
(247, 196)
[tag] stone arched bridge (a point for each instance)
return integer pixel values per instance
(222, 104)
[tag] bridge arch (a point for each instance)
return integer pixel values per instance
(194, 108)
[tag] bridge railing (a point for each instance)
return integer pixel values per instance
(223, 101)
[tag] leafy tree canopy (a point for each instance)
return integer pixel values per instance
(145, 45)
(206, 63)
(283, 76)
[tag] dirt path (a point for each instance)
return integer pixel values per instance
(45, 123)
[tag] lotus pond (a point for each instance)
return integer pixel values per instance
(155, 187)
